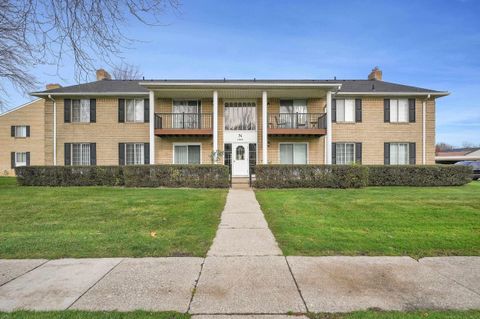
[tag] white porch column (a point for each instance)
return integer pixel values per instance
(215, 123)
(151, 114)
(424, 129)
(264, 128)
(328, 137)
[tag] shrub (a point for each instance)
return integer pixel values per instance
(70, 175)
(195, 176)
(418, 175)
(310, 176)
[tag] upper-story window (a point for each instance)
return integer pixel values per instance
(240, 116)
(20, 131)
(186, 114)
(398, 110)
(345, 110)
(80, 110)
(135, 110)
(293, 113)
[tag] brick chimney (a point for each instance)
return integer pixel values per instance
(52, 86)
(103, 75)
(376, 74)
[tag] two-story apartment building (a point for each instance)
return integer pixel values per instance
(242, 122)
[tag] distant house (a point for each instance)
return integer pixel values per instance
(457, 155)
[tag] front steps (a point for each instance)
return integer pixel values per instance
(240, 183)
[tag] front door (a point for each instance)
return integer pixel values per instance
(240, 159)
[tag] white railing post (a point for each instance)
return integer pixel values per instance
(264, 128)
(151, 114)
(329, 129)
(215, 125)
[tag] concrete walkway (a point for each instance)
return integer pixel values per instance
(244, 273)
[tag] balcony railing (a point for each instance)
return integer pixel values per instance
(302, 121)
(183, 123)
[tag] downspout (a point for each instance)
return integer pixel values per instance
(54, 129)
(424, 130)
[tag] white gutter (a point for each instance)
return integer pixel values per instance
(91, 94)
(438, 94)
(54, 130)
(247, 84)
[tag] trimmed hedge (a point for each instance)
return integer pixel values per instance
(310, 176)
(419, 175)
(194, 176)
(356, 176)
(70, 176)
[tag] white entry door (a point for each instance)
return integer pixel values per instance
(239, 159)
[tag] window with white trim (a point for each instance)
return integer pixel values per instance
(240, 116)
(135, 153)
(345, 153)
(134, 110)
(399, 110)
(186, 154)
(20, 159)
(81, 111)
(21, 131)
(345, 110)
(80, 154)
(294, 153)
(399, 153)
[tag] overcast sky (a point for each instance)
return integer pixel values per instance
(428, 43)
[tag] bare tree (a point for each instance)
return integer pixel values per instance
(441, 147)
(126, 71)
(39, 32)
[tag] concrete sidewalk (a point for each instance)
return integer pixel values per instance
(243, 273)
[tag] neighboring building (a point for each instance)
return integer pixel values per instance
(111, 122)
(458, 155)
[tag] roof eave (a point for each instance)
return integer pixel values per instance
(45, 94)
(426, 94)
(193, 84)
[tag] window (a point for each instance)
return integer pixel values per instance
(240, 153)
(81, 154)
(345, 153)
(293, 113)
(186, 154)
(240, 116)
(20, 131)
(399, 154)
(80, 111)
(135, 154)
(186, 114)
(345, 110)
(295, 153)
(20, 159)
(135, 111)
(399, 110)
(227, 156)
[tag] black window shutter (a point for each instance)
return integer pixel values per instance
(412, 152)
(334, 110)
(411, 110)
(334, 153)
(28, 130)
(93, 154)
(121, 153)
(386, 110)
(93, 110)
(146, 111)
(358, 110)
(121, 110)
(358, 153)
(28, 158)
(12, 131)
(386, 153)
(146, 153)
(67, 110)
(67, 154)
(12, 159)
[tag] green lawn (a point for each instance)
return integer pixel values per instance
(43, 222)
(92, 315)
(400, 315)
(375, 221)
